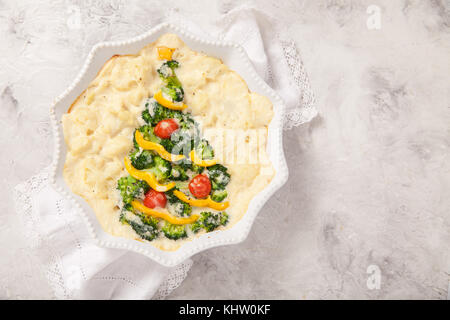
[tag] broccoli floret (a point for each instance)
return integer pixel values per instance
(144, 231)
(127, 207)
(180, 208)
(141, 159)
(156, 112)
(196, 226)
(183, 139)
(188, 165)
(161, 113)
(168, 144)
(219, 195)
(167, 69)
(145, 226)
(149, 220)
(148, 134)
(204, 150)
(224, 218)
(218, 176)
(160, 168)
(186, 121)
(176, 206)
(131, 188)
(197, 169)
(173, 64)
(174, 92)
(173, 87)
(174, 231)
(178, 173)
(210, 221)
(146, 116)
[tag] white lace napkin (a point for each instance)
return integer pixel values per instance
(76, 268)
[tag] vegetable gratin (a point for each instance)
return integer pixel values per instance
(167, 144)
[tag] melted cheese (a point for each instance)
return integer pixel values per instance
(99, 126)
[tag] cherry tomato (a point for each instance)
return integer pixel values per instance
(165, 128)
(200, 186)
(154, 199)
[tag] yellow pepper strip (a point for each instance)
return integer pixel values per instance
(163, 215)
(165, 53)
(167, 103)
(202, 202)
(148, 145)
(147, 177)
(198, 161)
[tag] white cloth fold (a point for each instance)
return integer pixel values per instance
(76, 268)
(274, 56)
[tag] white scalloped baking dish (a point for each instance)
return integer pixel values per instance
(232, 55)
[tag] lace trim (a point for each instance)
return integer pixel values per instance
(306, 110)
(173, 280)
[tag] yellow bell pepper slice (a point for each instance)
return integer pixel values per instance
(163, 215)
(202, 163)
(147, 177)
(148, 145)
(219, 206)
(165, 53)
(167, 103)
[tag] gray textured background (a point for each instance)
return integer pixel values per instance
(369, 178)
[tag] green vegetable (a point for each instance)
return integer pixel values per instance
(168, 144)
(145, 231)
(184, 139)
(141, 159)
(148, 134)
(176, 206)
(167, 69)
(155, 112)
(146, 116)
(204, 150)
(146, 227)
(174, 231)
(160, 168)
(127, 207)
(218, 176)
(197, 169)
(131, 188)
(172, 87)
(210, 221)
(219, 195)
(187, 122)
(175, 93)
(178, 173)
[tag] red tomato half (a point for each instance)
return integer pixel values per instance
(165, 128)
(200, 186)
(154, 199)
